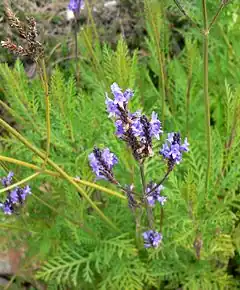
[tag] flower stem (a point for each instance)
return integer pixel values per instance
(43, 77)
(76, 50)
(206, 96)
(216, 16)
(58, 169)
(149, 212)
(56, 174)
(20, 182)
(185, 13)
(161, 219)
(159, 183)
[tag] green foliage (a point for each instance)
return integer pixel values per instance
(200, 229)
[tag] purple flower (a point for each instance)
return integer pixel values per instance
(6, 181)
(134, 128)
(119, 102)
(152, 239)
(143, 128)
(120, 97)
(112, 107)
(102, 162)
(75, 6)
(120, 130)
(7, 207)
(155, 196)
(25, 192)
(137, 128)
(156, 126)
(128, 94)
(15, 196)
(172, 149)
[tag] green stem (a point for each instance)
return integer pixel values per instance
(159, 183)
(43, 76)
(216, 16)
(76, 50)
(58, 169)
(185, 13)
(20, 182)
(55, 174)
(206, 96)
(138, 216)
(161, 219)
(149, 212)
(189, 84)
(92, 22)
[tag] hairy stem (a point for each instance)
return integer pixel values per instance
(58, 169)
(206, 96)
(149, 212)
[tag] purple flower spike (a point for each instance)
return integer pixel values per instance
(15, 197)
(134, 128)
(6, 181)
(152, 239)
(172, 149)
(155, 195)
(102, 162)
(75, 6)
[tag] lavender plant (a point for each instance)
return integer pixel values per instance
(80, 233)
(138, 132)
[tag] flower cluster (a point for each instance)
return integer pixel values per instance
(133, 128)
(152, 239)
(102, 162)
(173, 148)
(14, 197)
(138, 132)
(153, 194)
